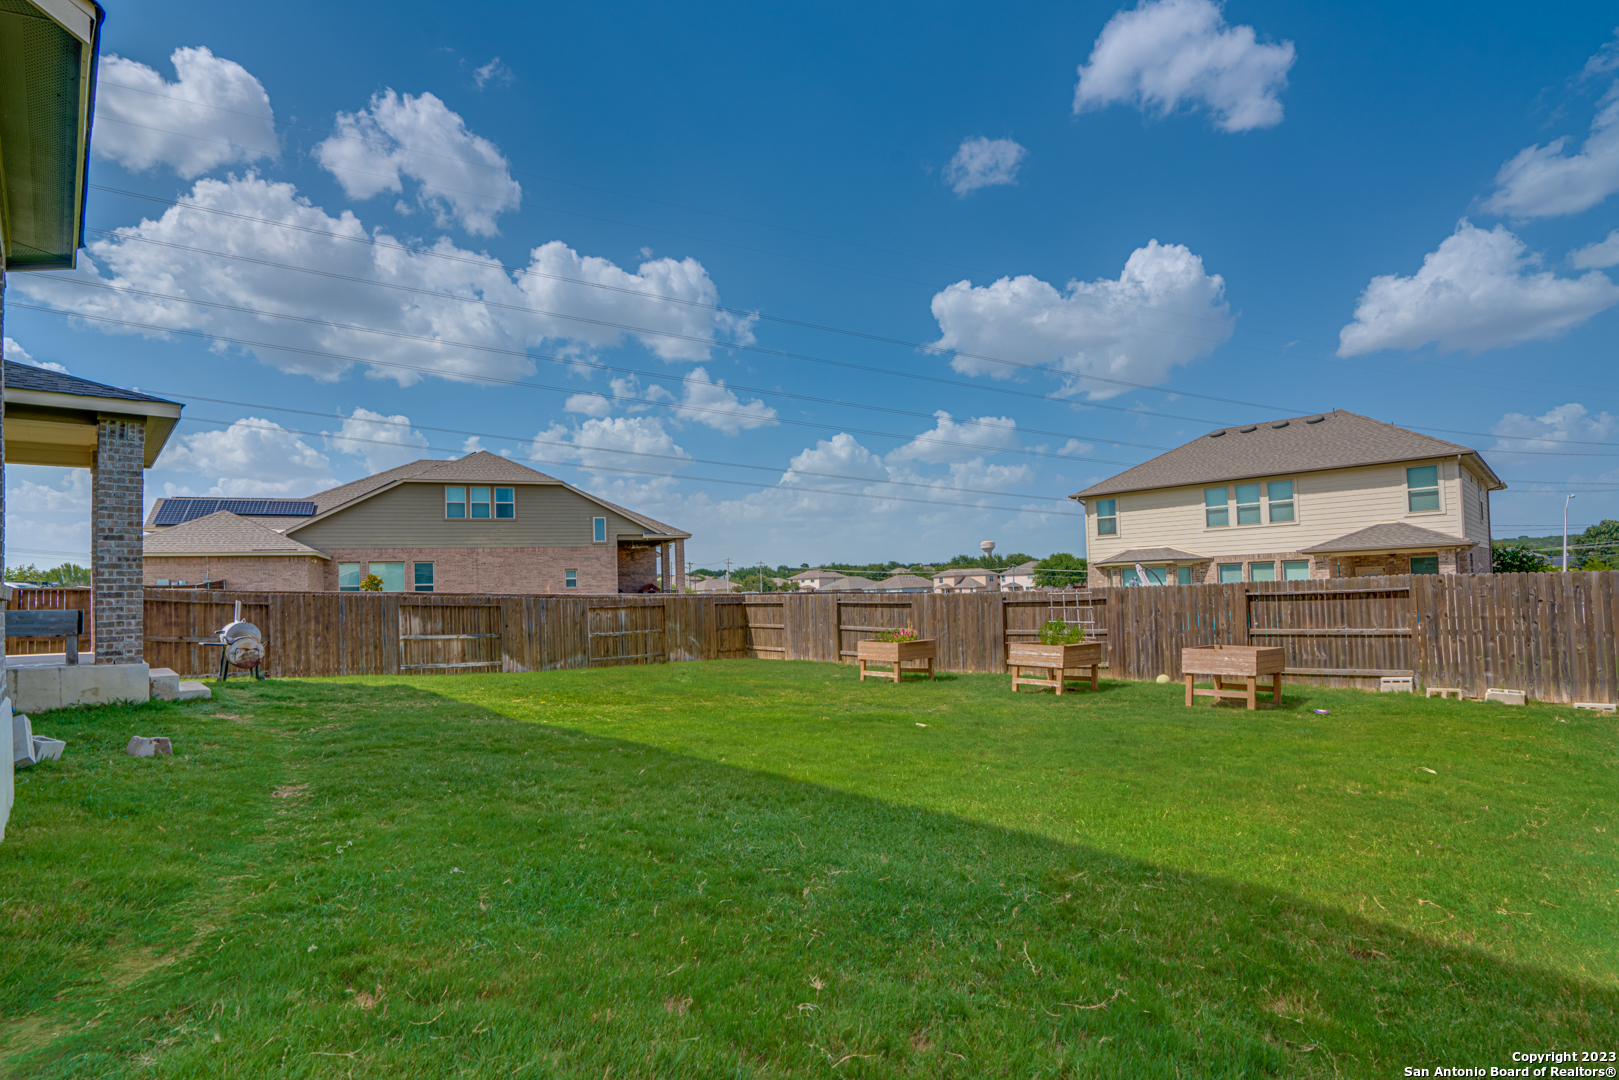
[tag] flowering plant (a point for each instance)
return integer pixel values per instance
(899, 633)
(1061, 633)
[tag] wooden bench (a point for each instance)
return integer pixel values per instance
(67, 624)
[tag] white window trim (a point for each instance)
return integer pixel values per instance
(1118, 524)
(593, 539)
(1264, 521)
(1439, 487)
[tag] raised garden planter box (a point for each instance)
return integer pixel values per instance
(1234, 662)
(896, 653)
(1054, 660)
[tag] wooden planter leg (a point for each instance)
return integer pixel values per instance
(1093, 675)
(930, 668)
(862, 671)
(1253, 698)
(1056, 675)
(1188, 691)
(1276, 689)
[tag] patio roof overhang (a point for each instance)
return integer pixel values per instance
(47, 94)
(1152, 556)
(46, 427)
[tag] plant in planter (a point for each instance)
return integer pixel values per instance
(1062, 647)
(895, 646)
(371, 583)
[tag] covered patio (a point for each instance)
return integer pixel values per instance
(1391, 548)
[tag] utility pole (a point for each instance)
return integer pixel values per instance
(727, 569)
(761, 577)
(1565, 532)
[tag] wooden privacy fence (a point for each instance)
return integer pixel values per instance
(49, 600)
(1552, 635)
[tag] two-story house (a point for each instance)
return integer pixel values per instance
(1330, 495)
(478, 524)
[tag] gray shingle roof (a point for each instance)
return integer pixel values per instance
(1336, 440)
(223, 533)
(1389, 536)
(1147, 555)
(46, 381)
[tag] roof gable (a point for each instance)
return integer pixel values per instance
(1334, 440)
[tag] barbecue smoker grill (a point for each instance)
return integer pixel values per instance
(241, 646)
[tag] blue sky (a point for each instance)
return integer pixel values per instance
(1116, 227)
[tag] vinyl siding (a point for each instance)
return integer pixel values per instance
(412, 515)
(1327, 505)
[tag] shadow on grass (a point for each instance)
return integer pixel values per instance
(435, 888)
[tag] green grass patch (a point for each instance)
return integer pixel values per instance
(752, 869)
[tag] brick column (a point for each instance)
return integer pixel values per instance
(115, 540)
(663, 558)
(680, 566)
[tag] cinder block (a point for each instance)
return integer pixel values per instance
(1505, 697)
(165, 684)
(100, 684)
(1397, 684)
(1446, 692)
(22, 741)
(48, 749)
(192, 690)
(1597, 706)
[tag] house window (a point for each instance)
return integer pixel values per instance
(505, 503)
(1247, 504)
(1425, 564)
(1230, 572)
(392, 575)
(424, 577)
(570, 579)
(1280, 494)
(598, 530)
(1183, 575)
(479, 499)
(1422, 489)
(1216, 514)
(348, 577)
(1262, 571)
(1107, 517)
(455, 502)
(1296, 571)
(1130, 577)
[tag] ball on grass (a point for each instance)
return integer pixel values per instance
(1163, 678)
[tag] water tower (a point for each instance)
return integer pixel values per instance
(987, 547)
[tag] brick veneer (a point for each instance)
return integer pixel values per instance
(637, 568)
(115, 541)
(494, 570)
(251, 573)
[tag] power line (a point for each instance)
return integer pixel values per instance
(495, 380)
(722, 309)
(676, 476)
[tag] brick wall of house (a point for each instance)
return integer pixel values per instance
(637, 568)
(1321, 566)
(492, 570)
(250, 573)
(116, 570)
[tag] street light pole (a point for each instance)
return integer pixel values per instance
(1565, 533)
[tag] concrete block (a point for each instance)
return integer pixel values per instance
(192, 690)
(165, 684)
(22, 741)
(1597, 706)
(8, 782)
(101, 684)
(48, 749)
(34, 689)
(141, 746)
(1446, 692)
(1397, 684)
(1505, 697)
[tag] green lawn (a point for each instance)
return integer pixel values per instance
(751, 868)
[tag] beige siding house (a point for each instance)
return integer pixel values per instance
(1331, 495)
(479, 524)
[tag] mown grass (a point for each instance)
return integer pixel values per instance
(768, 869)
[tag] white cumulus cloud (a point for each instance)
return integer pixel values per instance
(608, 445)
(453, 312)
(950, 441)
(19, 355)
(1600, 254)
(1164, 54)
(385, 442)
(1164, 310)
(708, 402)
(589, 404)
(70, 495)
(252, 457)
(1480, 290)
(1553, 430)
(461, 177)
(1547, 181)
(494, 71)
(215, 113)
(982, 162)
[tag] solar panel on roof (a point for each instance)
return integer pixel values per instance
(180, 510)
